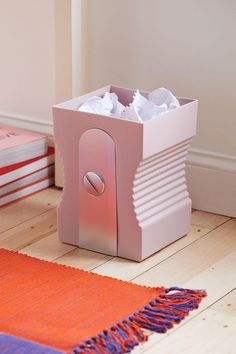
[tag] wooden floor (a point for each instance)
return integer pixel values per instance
(206, 258)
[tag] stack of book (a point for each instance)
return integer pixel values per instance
(26, 164)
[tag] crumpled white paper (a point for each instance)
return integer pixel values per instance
(162, 96)
(106, 105)
(140, 109)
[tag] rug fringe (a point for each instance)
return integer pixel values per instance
(159, 315)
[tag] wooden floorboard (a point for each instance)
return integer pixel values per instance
(25, 209)
(209, 220)
(30, 231)
(194, 259)
(205, 258)
(126, 270)
(212, 331)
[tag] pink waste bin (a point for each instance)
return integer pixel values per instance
(125, 192)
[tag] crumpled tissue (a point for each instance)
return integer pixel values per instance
(140, 109)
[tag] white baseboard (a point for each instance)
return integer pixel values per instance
(25, 122)
(211, 180)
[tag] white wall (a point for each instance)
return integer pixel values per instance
(35, 60)
(187, 46)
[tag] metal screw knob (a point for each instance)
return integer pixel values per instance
(94, 183)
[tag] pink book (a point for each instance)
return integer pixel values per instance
(26, 191)
(18, 145)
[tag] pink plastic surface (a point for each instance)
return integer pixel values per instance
(153, 206)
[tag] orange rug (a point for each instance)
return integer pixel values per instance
(75, 311)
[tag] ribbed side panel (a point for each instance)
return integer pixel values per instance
(160, 183)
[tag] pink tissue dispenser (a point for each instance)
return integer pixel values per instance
(125, 191)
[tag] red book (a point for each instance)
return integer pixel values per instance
(25, 168)
(18, 145)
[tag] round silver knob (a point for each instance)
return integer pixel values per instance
(94, 183)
